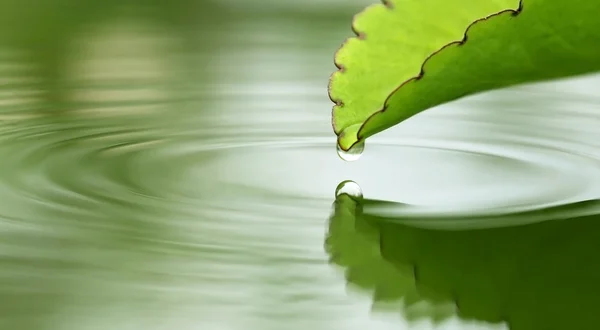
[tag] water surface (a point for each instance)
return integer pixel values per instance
(165, 170)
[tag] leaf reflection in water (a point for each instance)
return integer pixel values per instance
(527, 270)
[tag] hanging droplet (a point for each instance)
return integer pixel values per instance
(353, 154)
(349, 188)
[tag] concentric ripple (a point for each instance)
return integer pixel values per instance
(148, 167)
(440, 176)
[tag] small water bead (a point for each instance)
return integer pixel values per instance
(353, 154)
(349, 188)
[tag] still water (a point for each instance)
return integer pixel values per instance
(173, 166)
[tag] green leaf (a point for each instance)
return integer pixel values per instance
(411, 55)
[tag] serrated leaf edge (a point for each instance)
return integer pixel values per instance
(361, 36)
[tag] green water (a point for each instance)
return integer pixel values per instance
(171, 165)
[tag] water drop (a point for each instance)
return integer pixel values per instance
(349, 188)
(353, 154)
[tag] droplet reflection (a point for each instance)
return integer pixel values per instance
(349, 188)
